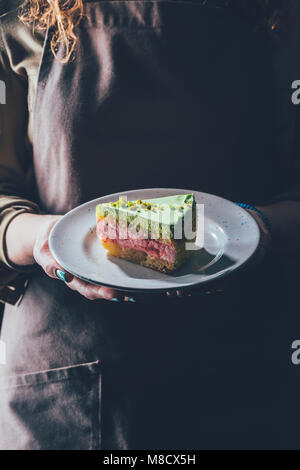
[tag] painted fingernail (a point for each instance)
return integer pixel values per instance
(61, 275)
(69, 277)
(131, 299)
(115, 299)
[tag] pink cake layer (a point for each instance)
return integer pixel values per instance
(161, 249)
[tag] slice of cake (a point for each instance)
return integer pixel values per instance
(153, 232)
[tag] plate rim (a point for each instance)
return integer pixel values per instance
(204, 282)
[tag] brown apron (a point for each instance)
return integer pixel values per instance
(160, 94)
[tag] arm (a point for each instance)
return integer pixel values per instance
(23, 230)
(33, 247)
(14, 171)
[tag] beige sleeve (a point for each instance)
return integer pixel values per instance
(15, 171)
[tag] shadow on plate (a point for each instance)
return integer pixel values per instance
(202, 262)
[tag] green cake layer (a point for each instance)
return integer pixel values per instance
(159, 218)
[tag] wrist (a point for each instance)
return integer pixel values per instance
(20, 237)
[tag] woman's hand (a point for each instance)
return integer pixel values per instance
(27, 243)
(44, 258)
(224, 284)
(265, 237)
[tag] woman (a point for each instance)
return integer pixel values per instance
(110, 96)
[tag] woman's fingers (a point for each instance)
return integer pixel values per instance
(44, 258)
(177, 293)
(52, 268)
(129, 299)
(90, 291)
(42, 253)
(217, 288)
(170, 293)
(64, 275)
(93, 292)
(109, 294)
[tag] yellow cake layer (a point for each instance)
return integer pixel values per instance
(140, 257)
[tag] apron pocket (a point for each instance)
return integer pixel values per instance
(51, 409)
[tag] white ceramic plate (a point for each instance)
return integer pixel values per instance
(231, 237)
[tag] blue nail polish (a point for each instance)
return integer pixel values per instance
(61, 275)
(115, 299)
(131, 299)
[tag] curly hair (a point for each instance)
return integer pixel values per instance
(268, 16)
(62, 15)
